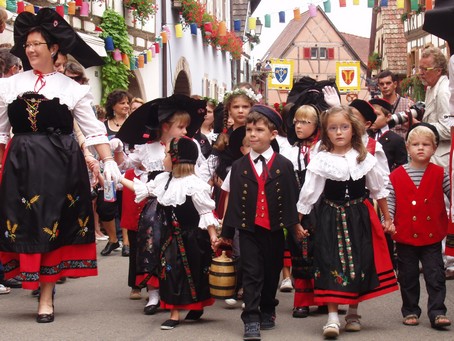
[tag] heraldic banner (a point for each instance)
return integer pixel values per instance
(281, 77)
(348, 76)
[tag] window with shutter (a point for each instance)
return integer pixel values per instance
(331, 53)
(307, 53)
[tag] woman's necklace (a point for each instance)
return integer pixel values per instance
(117, 124)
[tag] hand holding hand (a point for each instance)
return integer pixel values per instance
(300, 232)
(331, 96)
(388, 227)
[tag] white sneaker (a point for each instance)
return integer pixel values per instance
(286, 285)
(230, 301)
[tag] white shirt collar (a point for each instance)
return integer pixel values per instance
(267, 154)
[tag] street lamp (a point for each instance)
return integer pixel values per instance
(258, 27)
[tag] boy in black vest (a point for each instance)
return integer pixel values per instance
(262, 201)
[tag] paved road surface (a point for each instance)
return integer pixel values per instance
(98, 308)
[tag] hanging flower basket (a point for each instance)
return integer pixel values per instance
(141, 10)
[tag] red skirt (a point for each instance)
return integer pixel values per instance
(192, 306)
(383, 266)
(67, 261)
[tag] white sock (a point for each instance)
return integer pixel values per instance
(352, 311)
(333, 317)
(153, 297)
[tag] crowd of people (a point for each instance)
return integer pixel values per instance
(326, 196)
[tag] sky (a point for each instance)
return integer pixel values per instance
(351, 19)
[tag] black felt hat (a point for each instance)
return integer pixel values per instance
(428, 125)
(269, 113)
(59, 30)
(183, 150)
(365, 109)
(382, 102)
(438, 21)
(236, 142)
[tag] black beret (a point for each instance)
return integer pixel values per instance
(269, 113)
(183, 150)
(428, 125)
(382, 102)
(365, 109)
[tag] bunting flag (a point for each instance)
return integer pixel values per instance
(149, 55)
(84, 9)
(282, 17)
(222, 29)
(384, 3)
(327, 6)
(20, 6)
(355, 2)
(116, 55)
(297, 14)
(12, 7)
(370, 3)
(237, 25)
(429, 5)
(30, 8)
(342, 3)
(267, 20)
(252, 23)
(414, 5)
(72, 8)
(109, 44)
(125, 59)
(79, 3)
(400, 4)
(312, 10)
(193, 28)
(141, 61)
(178, 31)
(3, 3)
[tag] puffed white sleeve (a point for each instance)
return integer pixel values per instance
(376, 184)
(93, 129)
(5, 126)
(205, 206)
(310, 192)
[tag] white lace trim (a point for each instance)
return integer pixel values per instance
(150, 155)
(341, 167)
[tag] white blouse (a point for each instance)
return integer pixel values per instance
(178, 189)
(150, 155)
(326, 165)
(77, 97)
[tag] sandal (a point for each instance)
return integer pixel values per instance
(411, 320)
(353, 323)
(4, 290)
(440, 322)
(331, 329)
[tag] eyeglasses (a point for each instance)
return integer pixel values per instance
(425, 69)
(302, 122)
(34, 44)
(343, 128)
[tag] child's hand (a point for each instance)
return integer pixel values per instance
(388, 227)
(300, 232)
(221, 242)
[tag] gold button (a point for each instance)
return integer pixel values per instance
(414, 218)
(415, 235)
(243, 225)
(244, 192)
(426, 201)
(263, 214)
(245, 185)
(245, 172)
(279, 198)
(430, 235)
(262, 193)
(413, 202)
(243, 212)
(243, 198)
(263, 207)
(428, 218)
(281, 225)
(278, 190)
(278, 171)
(262, 200)
(244, 219)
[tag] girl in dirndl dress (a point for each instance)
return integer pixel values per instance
(185, 213)
(351, 262)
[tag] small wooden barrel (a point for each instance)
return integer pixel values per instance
(222, 277)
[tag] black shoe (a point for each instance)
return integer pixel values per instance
(12, 283)
(300, 312)
(268, 321)
(125, 251)
(45, 318)
(194, 315)
(151, 309)
(252, 331)
(169, 324)
(36, 292)
(322, 309)
(109, 248)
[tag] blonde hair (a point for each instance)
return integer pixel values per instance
(422, 131)
(307, 112)
(180, 170)
(357, 128)
(136, 100)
